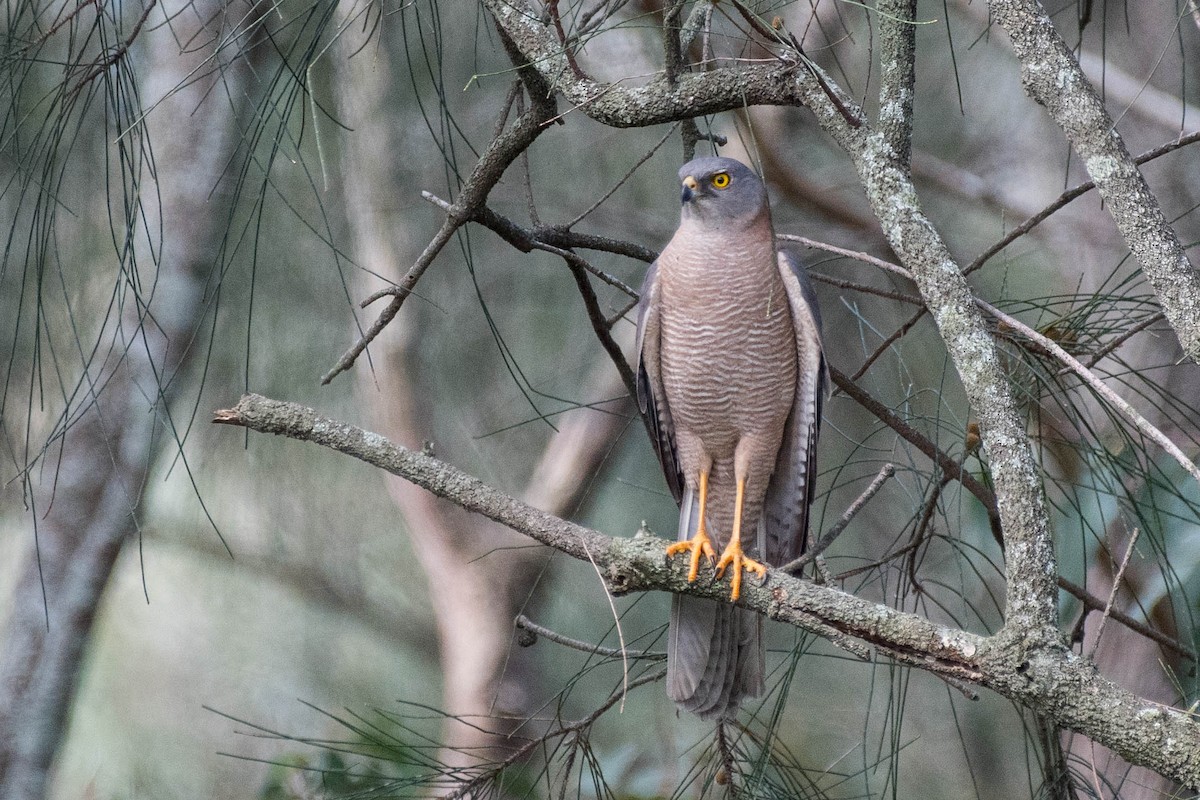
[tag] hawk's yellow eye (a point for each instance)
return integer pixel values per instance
(720, 180)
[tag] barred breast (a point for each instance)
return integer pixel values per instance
(728, 356)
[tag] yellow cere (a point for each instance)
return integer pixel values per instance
(720, 180)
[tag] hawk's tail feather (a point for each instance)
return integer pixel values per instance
(715, 650)
(714, 656)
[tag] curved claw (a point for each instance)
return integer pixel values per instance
(736, 556)
(698, 545)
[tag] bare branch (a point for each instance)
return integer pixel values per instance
(1112, 595)
(914, 437)
(1049, 345)
(500, 153)
(524, 623)
(1052, 76)
(527, 239)
(600, 326)
(1091, 379)
(887, 471)
(1065, 198)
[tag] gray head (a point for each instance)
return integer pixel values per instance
(720, 190)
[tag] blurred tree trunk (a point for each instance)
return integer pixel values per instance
(89, 500)
(480, 574)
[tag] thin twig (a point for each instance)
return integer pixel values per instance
(1092, 380)
(1066, 197)
(822, 544)
(914, 437)
(612, 607)
(527, 239)
(888, 342)
(70, 15)
(118, 53)
(1158, 316)
(1112, 595)
(892, 556)
(579, 269)
(918, 537)
(503, 149)
(646, 157)
(857, 255)
(888, 294)
(552, 5)
(398, 294)
(526, 624)
(468, 789)
(632, 304)
(1093, 603)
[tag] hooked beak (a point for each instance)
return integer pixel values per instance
(689, 188)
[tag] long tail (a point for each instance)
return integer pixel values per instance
(714, 650)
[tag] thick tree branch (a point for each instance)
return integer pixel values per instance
(1052, 76)
(636, 564)
(1051, 680)
(691, 95)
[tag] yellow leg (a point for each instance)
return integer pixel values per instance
(699, 544)
(733, 551)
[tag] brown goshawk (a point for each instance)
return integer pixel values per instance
(731, 376)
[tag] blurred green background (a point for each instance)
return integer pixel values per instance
(206, 669)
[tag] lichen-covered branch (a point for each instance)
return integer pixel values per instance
(1052, 76)
(1050, 680)
(898, 73)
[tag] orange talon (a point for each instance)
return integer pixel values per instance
(699, 544)
(733, 551)
(733, 555)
